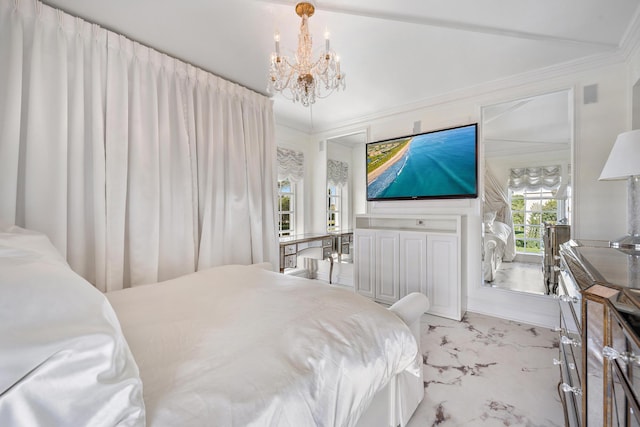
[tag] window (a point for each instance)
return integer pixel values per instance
(290, 174)
(337, 195)
(334, 199)
(531, 209)
(286, 207)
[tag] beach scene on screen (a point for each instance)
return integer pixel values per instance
(436, 164)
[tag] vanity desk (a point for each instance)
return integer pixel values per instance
(291, 246)
(599, 298)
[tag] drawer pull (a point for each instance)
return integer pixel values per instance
(626, 357)
(567, 298)
(571, 365)
(571, 341)
(568, 389)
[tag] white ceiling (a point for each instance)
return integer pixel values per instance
(395, 54)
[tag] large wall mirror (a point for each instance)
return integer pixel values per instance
(526, 200)
(341, 203)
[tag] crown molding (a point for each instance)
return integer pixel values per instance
(630, 41)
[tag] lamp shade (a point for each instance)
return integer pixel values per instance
(624, 159)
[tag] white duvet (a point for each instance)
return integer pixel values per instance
(242, 346)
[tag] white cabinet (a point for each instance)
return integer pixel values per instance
(387, 281)
(443, 277)
(413, 268)
(364, 247)
(418, 256)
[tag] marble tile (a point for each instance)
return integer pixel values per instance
(485, 371)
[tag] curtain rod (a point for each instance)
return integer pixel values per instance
(75, 15)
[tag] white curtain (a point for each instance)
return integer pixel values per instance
(139, 167)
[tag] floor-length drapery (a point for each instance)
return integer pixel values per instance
(234, 206)
(51, 130)
(139, 167)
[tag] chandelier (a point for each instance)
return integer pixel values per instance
(303, 79)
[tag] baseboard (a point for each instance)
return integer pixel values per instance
(536, 310)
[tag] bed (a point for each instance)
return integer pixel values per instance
(227, 346)
(494, 249)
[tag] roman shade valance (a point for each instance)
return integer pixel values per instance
(535, 178)
(337, 172)
(290, 164)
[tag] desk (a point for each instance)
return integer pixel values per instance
(290, 246)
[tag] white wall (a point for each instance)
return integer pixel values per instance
(600, 206)
(596, 127)
(358, 180)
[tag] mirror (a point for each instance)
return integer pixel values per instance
(339, 204)
(526, 202)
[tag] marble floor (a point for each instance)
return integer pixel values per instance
(485, 372)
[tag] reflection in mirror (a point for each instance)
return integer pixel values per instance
(527, 190)
(339, 204)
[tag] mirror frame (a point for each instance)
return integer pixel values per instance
(570, 92)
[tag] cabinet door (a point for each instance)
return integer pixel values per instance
(387, 260)
(413, 263)
(443, 277)
(364, 266)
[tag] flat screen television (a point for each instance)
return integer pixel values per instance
(440, 164)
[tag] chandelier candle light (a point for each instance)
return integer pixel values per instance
(304, 79)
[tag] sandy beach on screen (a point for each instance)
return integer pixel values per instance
(371, 176)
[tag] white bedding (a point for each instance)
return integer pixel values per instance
(63, 358)
(242, 346)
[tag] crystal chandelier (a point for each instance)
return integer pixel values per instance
(301, 78)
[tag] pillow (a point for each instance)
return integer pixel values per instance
(501, 230)
(63, 358)
(14, 238)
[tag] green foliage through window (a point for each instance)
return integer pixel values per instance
(286, 208)
(531, 210)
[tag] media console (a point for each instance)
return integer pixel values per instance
(396, 255)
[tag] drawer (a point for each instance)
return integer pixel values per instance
(625, 410)
(571, 358)
(628, 360)
(327, 242)
(570, 352)
(290, 249)
(290, 261)
(570, 300)
(326, 252)
(571, 402)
